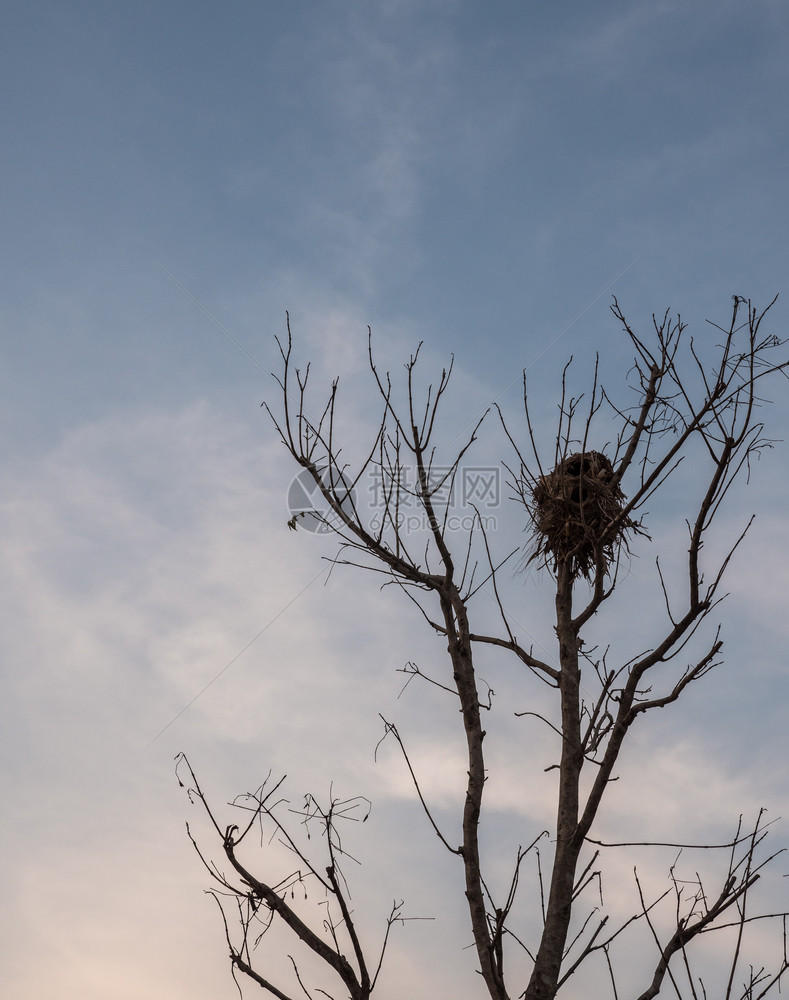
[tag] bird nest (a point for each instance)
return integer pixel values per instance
(575, 510)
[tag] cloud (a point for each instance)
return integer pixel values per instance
(136, 570)
(147, 551)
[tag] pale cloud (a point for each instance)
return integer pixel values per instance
(761, 583)
(145, 553)
(137, 570)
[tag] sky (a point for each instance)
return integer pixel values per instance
(479, 177)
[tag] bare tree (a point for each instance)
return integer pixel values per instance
(586, 505)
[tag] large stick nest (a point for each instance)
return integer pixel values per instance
(575, 510)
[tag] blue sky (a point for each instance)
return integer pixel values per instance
(175, 177)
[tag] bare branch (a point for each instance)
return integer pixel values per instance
(612, 453)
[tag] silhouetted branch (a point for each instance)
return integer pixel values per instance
(683, 399)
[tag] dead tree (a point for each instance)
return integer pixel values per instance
(586, 507)
(256, 902)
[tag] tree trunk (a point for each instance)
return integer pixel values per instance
(460, 652)
(547, 966)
